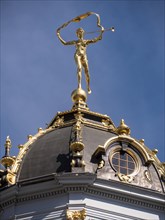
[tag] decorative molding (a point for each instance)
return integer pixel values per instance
(83, 111)
(108, 214)
(94, 189)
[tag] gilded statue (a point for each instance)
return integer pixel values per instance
(81, 44)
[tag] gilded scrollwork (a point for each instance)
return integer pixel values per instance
(11, 178)
(59, 121)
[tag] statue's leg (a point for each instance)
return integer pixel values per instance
(87, 75)
(79, 69)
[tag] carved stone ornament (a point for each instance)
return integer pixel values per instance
(125, 178)
(147, 176)
(75, 215)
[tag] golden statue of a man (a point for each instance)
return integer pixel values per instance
(81, 46)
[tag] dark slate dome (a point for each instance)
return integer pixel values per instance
(49, 151)
(48, 154)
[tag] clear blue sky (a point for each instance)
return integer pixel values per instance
(38, 73)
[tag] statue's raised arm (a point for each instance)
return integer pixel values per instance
(94, 40)
(62, 40)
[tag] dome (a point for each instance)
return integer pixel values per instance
(51, 150)
(82, 141)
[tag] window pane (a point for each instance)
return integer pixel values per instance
(123, 156)
(130, 158)
(123, 170)
(123, 163)
(131, 165)
(115, 161)
(130, 171)
(116, 155)
(116, 168)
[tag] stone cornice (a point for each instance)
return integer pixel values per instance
(81, 183)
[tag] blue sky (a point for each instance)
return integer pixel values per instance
(38, 73)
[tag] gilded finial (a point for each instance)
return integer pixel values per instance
(40, 130)
(155, 151)
(7, 146)
(29, 137)
(142, 141)
(123, 128)
(79, 98)
(20, 146)
(7, 161)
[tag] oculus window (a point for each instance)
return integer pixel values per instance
(123, 159)
(123, 162)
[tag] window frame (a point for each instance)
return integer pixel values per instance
(117, 147)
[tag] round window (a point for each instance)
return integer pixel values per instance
(123, 162)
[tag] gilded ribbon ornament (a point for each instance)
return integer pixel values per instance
(81, 17)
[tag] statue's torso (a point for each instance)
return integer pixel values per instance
(81, 48)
